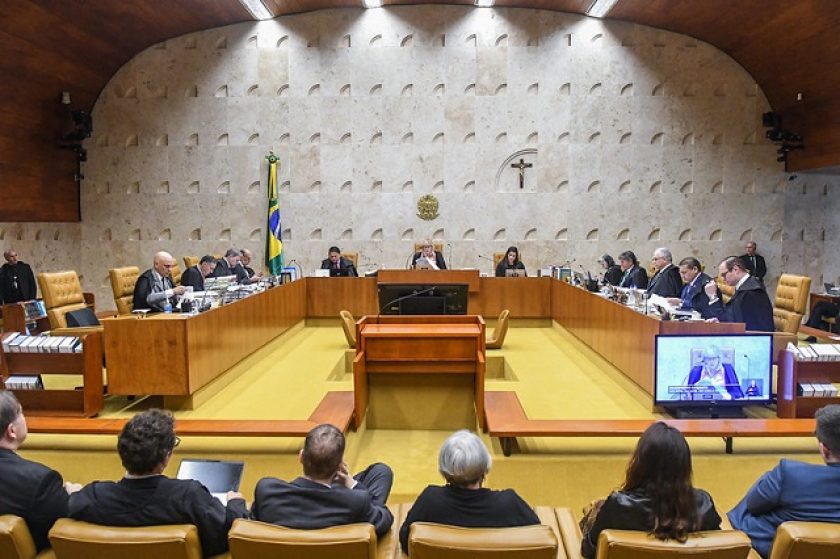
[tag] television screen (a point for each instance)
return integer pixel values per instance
(399, 298)
(699, 370)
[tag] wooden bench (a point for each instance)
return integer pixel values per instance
(506, 419)
(335, 408)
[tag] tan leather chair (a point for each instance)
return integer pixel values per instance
(726, 290)
(352, 257)
(806, 540)
(499, 256)
(16, 540)
(250, 539)
(348, 324)
(73, 539)
(122, 284)
(62, 293)
(437, 246)
(190, 261)
(497, 338)
(436, 541)
(791, 302)
(176, 274)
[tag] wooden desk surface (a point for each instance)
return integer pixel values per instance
(430, 277)
(421, 330)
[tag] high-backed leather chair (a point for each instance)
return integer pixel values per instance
(726, 290)
(176, 274)
(122, 285)
(62, 293)
(437, 246)
(250, 539)
(74, 539)
(791, 302)
(497, 338)
(16, 540)
(352, 257)
(499, 256)
(806, 540)
(436, 541)
(348, 324)
(190, 261)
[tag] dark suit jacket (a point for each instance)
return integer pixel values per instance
(343, 264)
(33, 492)
(192, 278)
(613, 275)
(26, 288)
(697, 295)
(760, 268)
(790, 491)
(666, 283)
(635, 277)
(729, 377)
(631, 510)
(223, 269)
(305, 504)
(144, 287)
(470, 508)
(749, 305)
(159, 500)
(439, 261)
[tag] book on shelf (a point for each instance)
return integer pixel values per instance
(21, 343)
(24, 382)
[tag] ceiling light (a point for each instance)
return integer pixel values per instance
(372, 3)
(601, 8)
(484, 3)
(257, 9)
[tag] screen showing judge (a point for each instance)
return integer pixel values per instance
(428, 257)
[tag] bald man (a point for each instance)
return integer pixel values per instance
(17, 282)
(154, 287)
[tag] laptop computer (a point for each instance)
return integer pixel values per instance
(513, 273)
(339, 272)
(831, 288)
(218, 476)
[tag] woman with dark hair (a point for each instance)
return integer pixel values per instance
(612, 271)
(657, 496)
(510, 262)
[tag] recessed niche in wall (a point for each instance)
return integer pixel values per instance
(103, 188)
(500, 235)
(566, 89)
(345, 91)
(221, 42)
(691, 90)
(594, 186)
(285, 186)
(531, 234)
(376, 139)
(2, 234)
(593, 235)
(746, 235)
(595, 138)
(408, 186)
(626, 90)
(720, 91)
(223, 140)
(283, 90)
(224, 188)
(193, 188)
(625, 138)
(162, 140)
(563, 186)
(625, 188)
(134, 235)
(568, 39)
(501, 138)
(752, 90)
(313, 139)
(346, 187)
(564, 138)
(778, 235)
(687, 188)
(407, 235)
(716, 235)
(470, 89)
(282, 41)
(347, 41)
(127, 92)
(225, 234)
(471, 40)
(256, 235)
(501, 90)
(102, 141)
(438, 139)
(195, 235)
(685, 235)
(254, 90)
(595, 89)
(252, 42)
(469, 138)
(377, 235)
(469, 186)
(315, 186)
(132, 141)
(38, 235)
(825, 190)
(315, 90)
(717, 188)
(191, 91)
(656, 188)
(376, 41)
(376, 186)
(346, 235)
(192, 140)
(655, 234)
(165, 235)
(502, 40)
(285, 139)
(623, 235)
(163, 188)
(533, 139)
(749, 188)
(106, 235)
(534, 89)
(376, 89)
(438, 234)
(439, 90)
(287, 234)
(658, 139)
(596, 39)
(532, 42)
(822, 234)
(750, 139)
(255, 188)
(658, 90)
(221, 91)
(407, 90)
(346, 138)
(469, 235)
(717, 139)
(133, 188)
(57, 235)
(159, 92)
(804, 188)
(438, 187)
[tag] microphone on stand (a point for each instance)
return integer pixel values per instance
(408, 263)
(449, 245)
(492, 262)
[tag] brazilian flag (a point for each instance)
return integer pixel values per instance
(273, 241)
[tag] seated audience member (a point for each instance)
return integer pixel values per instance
(612, 271)
(714, 374)
(510, 262)
(229, 266)
(17, 282)
(633, 275)
(326, 495)
(749, 305)
(145, 497)
(657, 496)
(245, 263)
(30, 490)
(754, 262)
(194, 275)
(666, 282)
(464, 463)
(693, 296)
(822, 310)
(154, 286)
(794, 490)
(428, 257)
(337, 262)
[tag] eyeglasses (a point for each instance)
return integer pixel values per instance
(177, 442)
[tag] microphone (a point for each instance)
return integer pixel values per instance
(409, 296)
(749, 364)
(485, 257)
(449, 245)
(408, 263)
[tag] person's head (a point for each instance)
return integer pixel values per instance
(689, 268)
(661, 258)
(512, 255)
(428, 249)
(751, 246)
(163, 264)
(233, 255)
(828, 432)
(732, 269)
(323, 452)
(12, 422)
(207, 264)
(661, 469)
(146, 442)
(464, 460)
(627, 260)
(606, 261)
(247, 256)
(711, 358)
(335, 255)
(10, 256)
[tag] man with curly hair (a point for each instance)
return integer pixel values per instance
(145, 497)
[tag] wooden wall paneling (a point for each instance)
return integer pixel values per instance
(326, 297)
(525, 297)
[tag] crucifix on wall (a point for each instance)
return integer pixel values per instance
(521, 166)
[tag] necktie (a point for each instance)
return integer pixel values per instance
(686, 303)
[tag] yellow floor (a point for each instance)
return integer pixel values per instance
(554, 375)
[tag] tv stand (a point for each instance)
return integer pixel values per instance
(711, 411)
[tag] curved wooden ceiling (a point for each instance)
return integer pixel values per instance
(51, 46)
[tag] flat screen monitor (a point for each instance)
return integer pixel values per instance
(340, 272)
(713, 370)
(400, 298)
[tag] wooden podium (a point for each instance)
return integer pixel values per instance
(420, 371)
